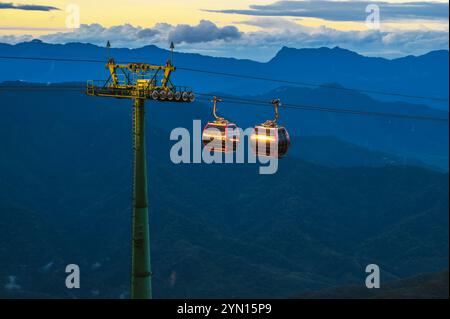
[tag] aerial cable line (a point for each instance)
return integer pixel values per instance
(244, 76)
(50, 59)
(332, 110)
(246, 101)
(251, 77)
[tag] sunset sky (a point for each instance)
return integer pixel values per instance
(247, 26)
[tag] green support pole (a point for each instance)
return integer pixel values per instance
(141, 272)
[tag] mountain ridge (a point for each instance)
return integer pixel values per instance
(282, 50)
(425, 75)
(406, 141)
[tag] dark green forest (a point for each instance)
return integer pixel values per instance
(216, 230)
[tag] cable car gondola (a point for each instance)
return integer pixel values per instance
(269, 139)
(220, 135)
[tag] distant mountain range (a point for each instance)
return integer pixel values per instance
(426, 75)
(401, 141)
(335, 70)
(421, 140)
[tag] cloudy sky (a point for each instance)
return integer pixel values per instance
(254, 29)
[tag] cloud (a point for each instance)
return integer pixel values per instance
(96, 265)
(15, 38)
(347, 10)
(394, 43)
(127, 35)
(47, 267)
(12, 283)
(275, 24)
(147, 33)
(95, 292)
(263, 45)
(124, 295)
(208, 39)
(28, 7)
(205, 31)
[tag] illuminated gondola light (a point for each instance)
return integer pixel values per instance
(269, 139)
(258, 137)
(220, 135)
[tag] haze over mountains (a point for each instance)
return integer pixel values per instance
(336, 69)
(426, 75)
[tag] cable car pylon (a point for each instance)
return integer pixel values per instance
(140, 82)
(141, 285)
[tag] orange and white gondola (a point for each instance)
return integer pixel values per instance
(269, 139)
(220, 135)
